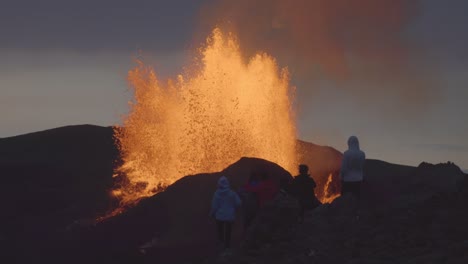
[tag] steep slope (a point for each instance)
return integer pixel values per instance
(53, 170)
(50, 179)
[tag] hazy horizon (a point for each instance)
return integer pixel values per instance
(85, 124)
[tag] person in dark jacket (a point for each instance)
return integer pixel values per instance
(223, 209)
(302, 187)
(250, 201)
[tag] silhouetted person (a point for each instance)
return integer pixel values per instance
(250, 201)
(352, 168)
(302, 187)
(223, 209)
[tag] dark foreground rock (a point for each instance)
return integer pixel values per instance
(55, 183)
(430, 227)
(176, 220)
(51, 181)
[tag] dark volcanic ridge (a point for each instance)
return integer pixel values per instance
(56, 183)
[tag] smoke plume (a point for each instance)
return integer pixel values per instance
(349, 41)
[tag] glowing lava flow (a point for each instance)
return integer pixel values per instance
(328, 196)
(224, 108)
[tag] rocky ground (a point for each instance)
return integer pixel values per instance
(55, 183)
(432, 230)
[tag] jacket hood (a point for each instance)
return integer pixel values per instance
(353, 143)
(223, 183)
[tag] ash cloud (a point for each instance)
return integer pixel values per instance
(361, 43)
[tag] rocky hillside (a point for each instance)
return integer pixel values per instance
(55, 184)
(57, 181)
(49, 179)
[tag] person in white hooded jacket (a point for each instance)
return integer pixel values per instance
(352, 168)
(223, 209)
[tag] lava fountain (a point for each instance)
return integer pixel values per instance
(221, 109)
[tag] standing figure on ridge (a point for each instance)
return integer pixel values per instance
(302, 187)
(352, 168)
(223, 209)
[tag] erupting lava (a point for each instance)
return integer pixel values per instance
(219, 111)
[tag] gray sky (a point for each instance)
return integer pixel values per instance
(65, 62)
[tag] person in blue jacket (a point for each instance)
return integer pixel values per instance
(223, 209)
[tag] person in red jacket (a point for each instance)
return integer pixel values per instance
(266, 189)
(249, 199)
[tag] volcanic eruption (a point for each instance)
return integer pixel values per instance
(228, 104)
(220, 109)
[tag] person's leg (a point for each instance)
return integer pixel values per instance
(220, 227)
(248, 220)
(227, 234)
(357, 190)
